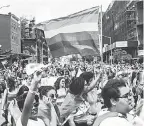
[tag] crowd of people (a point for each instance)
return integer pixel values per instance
(79, 93)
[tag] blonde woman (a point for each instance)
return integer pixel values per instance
(60, 87)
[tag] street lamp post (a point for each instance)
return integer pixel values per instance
(110, 44)
(37, 41)
(42, 51)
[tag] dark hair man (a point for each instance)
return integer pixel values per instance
(118, 100)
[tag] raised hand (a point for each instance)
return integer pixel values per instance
(37, 76)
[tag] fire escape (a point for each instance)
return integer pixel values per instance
(130, 16)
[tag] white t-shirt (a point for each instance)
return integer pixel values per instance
(31, 122)
(114, 121)
(138, 122)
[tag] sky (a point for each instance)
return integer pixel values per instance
(44, 10)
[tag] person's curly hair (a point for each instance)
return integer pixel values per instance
(57, 83)
(43, 90)
(21, 96)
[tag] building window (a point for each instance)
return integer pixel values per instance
(14, 26)
(12, 36)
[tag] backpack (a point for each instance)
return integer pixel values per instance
(103, 117)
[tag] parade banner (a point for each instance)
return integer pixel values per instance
(64, 34)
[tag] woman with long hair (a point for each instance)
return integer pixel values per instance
(28, 102)
(9, 94)
(60, 87)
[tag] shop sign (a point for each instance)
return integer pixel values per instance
(140, 52)
(122, 44)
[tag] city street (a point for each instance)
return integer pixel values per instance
(77, 62)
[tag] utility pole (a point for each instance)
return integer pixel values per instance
(36, 50)
(101, 44)
(110, 45)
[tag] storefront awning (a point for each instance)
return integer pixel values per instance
(120, 44)
(22, 55)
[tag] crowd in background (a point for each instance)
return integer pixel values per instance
(79, 93)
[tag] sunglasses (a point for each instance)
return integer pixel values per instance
(141, 84)
(126, 95)
(54, 95)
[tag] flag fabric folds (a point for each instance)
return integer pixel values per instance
(73, 34)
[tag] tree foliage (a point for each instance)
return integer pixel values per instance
(120, 55)
(88, 58)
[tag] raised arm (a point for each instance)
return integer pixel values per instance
(30, 98)
(93, 83)
(4, 99)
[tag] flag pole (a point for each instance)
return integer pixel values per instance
(36, 51)
(101, 45)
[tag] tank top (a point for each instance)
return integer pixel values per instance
(31, 122)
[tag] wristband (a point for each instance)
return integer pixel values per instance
(93, 114)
